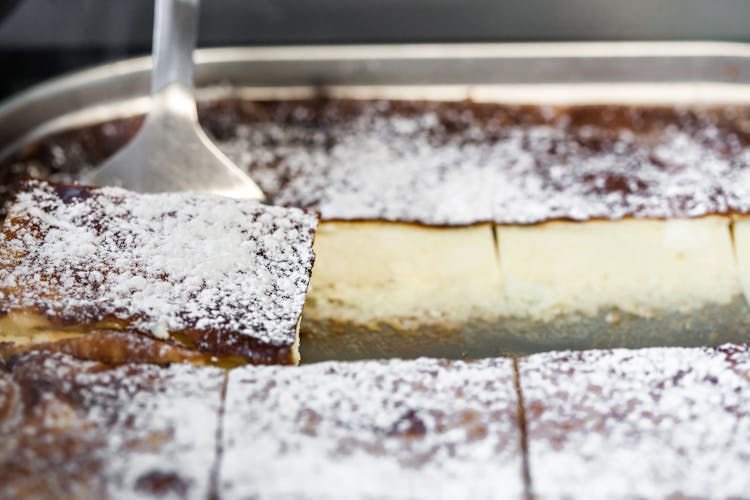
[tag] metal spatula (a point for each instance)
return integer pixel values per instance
(171, 152)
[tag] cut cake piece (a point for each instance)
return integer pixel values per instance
(80, 429)
(626, 283)
(224, 277)
(647, 423)
(383, 289)
(422, 429)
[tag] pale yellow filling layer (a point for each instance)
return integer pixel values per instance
(379, 271)
(637, 266)
(370, 271)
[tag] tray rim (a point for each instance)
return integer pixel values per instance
(120, 88)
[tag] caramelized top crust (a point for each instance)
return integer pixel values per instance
(83, 430)
(648, 423)
(457, 163)
(420, 429)
(157, 264)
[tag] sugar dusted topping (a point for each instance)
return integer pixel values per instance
(164, 262)
(400, 429)
(553, 176)
(370, 166)
(655, 423)
(93, 432)
(464, 163)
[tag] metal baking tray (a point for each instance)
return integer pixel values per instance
(552, 73)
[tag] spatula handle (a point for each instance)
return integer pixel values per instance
(175, 34)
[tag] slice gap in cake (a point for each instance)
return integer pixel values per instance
(221, 277)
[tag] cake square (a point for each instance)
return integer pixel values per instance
(421, 429)
(222, 276)
(648, 423)
(80, 429)
(383, 289)
(626, 283)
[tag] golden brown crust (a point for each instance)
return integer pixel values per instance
(112, 348)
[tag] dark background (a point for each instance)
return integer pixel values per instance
(42, 38)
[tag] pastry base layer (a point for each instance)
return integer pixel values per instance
(24, 331)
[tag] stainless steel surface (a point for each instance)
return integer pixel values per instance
(171, 152)
(175, 33)
(685, 72)
(113, 25)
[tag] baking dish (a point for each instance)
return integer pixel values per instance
(593, 73)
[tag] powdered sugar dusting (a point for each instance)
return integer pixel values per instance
(424, 429)
(650, 423)
(370, 167)
(161, 262)
(553, 176)
(461, 164)
(95, 432)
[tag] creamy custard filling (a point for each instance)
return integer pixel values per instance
(379, 271)
(741, 238)
(390, 289)
(641, 267)
(369, 272)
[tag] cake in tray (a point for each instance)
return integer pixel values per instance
(648, 423)
(115, 276)
(465, 229)
(81, 429)
(420, 429)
